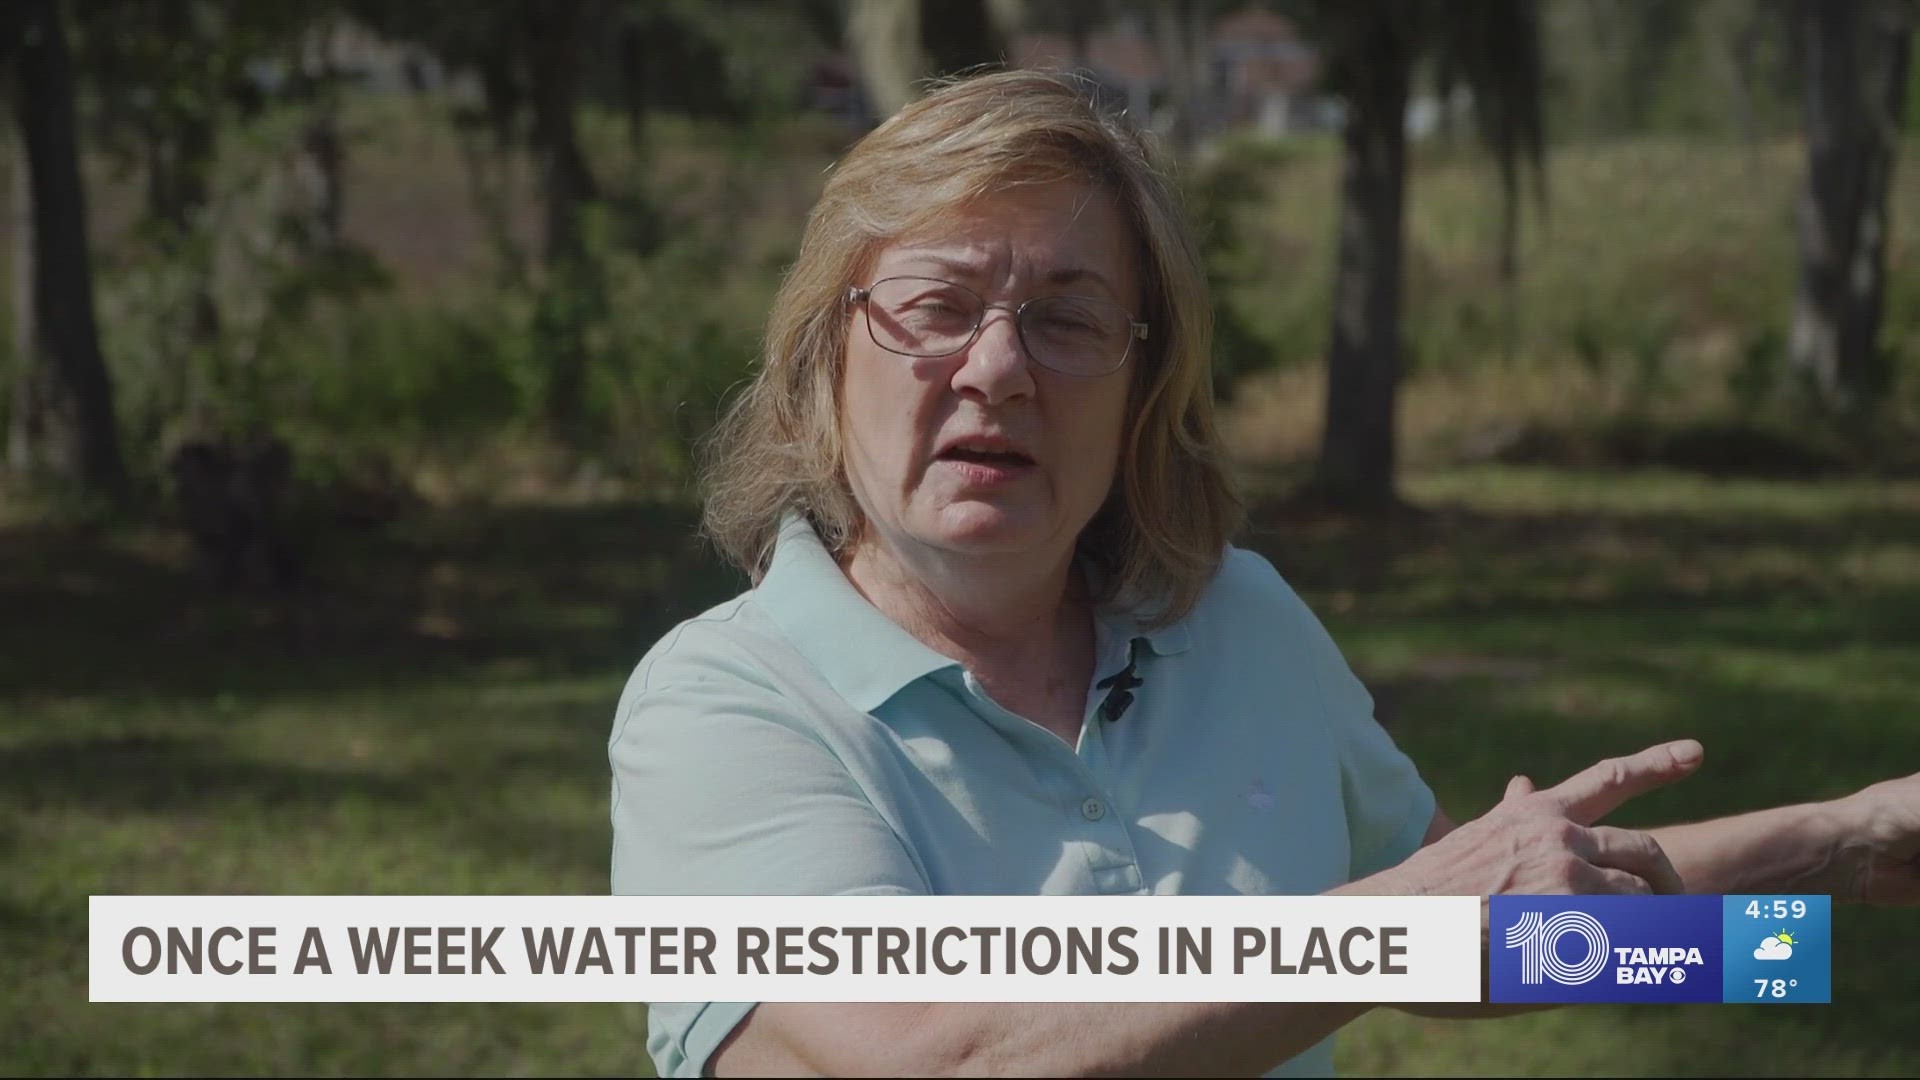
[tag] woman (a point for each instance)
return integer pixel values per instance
(999, 640)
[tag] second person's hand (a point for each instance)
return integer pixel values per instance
(1547, 842)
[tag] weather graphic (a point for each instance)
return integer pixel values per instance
(1779, 949)
(1775, 947)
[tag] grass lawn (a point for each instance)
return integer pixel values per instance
(432, 718)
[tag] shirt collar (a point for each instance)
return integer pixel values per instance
(1117, 618)
(1163, 640)
(866, 657)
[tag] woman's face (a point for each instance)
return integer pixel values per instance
(985, 452)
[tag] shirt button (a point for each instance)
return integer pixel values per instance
(1093, 809)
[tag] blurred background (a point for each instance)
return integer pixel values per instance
(354, 356)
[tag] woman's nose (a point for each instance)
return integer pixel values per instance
(994, 368)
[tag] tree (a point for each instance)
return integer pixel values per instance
(166, 78)
(1857, 55)
(897, 43)
(63, 417)
(1182, 31)
(885, 37)
(554, 37)
(539, 64)
(1491, 47)
(958, 36)
(534, 63)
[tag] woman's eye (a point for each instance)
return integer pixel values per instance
(1071, 325)
(936, 308)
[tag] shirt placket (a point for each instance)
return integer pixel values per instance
(1091, 820)
(1112, 862)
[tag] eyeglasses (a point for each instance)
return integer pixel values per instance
(927, 317)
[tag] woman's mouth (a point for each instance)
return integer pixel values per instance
(981, 465)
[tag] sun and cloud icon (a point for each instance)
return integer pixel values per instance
(1775, 947)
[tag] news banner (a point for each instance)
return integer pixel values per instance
(1771, 949)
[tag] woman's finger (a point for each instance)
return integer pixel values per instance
(1518, 787)
(1592, 793)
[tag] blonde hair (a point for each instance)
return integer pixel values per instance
(1160, 536)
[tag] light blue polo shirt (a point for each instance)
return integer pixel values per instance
(795, 741)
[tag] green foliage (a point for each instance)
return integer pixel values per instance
(677, 346)
(1454, 333)
(1269, 310)
(1660, 265)
(1633, 351)
(1913, 93)
(1755, 382)
(384, 376)
(414, 385)
(209, 329)
(164, 74)
(363, 371)
(663, 332)
(735, 61)
(1649, 354)
(1710, 69)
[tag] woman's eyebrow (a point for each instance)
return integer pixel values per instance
(1071, 274)
(968, 270)
(945, 263)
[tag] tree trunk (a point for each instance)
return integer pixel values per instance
(180, 151)
(1747, 83)
(325, 172)
(179, 158)
(1356, 467)
(27, 433)
(326, 154)
(1082, 18)
(69, 422)
(885, 35)
(568, 187)
(962, 34)
(1856, 84)
(1182, 31)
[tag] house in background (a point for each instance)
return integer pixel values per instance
(1258, 73)
(1121, 60)
(1265, 74)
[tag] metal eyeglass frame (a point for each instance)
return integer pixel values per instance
(1137, 331)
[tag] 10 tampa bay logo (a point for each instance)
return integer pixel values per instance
(1538, 939)
(1605, 948)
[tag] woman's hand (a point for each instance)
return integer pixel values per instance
(1547, 842)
